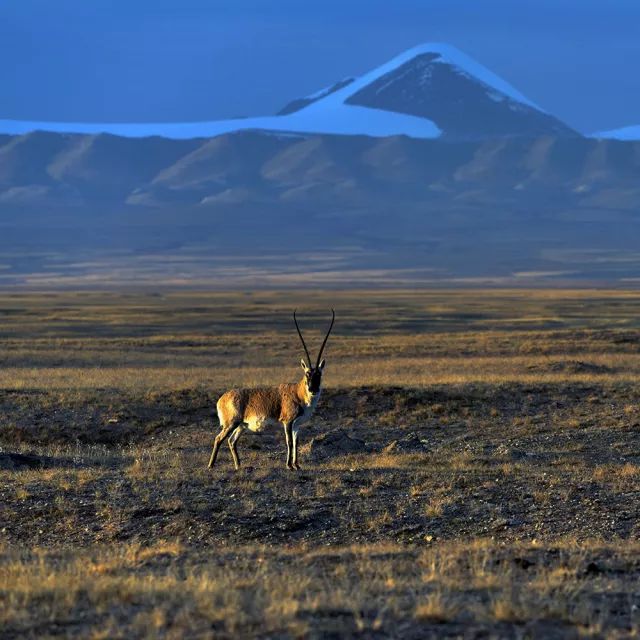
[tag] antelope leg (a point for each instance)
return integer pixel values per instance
(219, 439)
(296, 428)
(289, 438)
(232, 442)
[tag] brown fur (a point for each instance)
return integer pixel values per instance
(281, 403)
(285, 404)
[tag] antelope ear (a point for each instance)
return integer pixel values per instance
(321, 365)
(304, 366)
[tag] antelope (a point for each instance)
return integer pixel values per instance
(287, 404)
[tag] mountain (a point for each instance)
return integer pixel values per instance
(258, 166)
(438, 83)
(626, 133)
(428, 169)
(430, 91)
(251, 208)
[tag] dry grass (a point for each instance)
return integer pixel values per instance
(511, 510)
(345, 372)
(136, 591)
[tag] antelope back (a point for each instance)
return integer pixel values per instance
(247, 404)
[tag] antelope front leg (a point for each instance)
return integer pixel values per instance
(232, 441)
(294, 461)
(289, 438)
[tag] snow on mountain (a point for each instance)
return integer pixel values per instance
(442, 54)
(465, 100)
(322, 93)
(301, 103)
(347, 120)
(429, 91)
(626, 133)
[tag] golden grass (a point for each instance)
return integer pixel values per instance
(389, 371)
(518, 518)
(138, 591)
(65, 341)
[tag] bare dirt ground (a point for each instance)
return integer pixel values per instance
(473, 469)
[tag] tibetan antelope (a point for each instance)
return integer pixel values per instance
(287, 404)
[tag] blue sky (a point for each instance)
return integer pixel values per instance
(173, 60)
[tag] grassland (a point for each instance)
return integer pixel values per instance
(473, 468)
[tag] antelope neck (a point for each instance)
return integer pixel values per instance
(303, 393)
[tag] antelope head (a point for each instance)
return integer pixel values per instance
(313, 374)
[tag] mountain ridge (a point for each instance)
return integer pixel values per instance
(433, 170)
(82, 170)
(250, 208)
(445, 81)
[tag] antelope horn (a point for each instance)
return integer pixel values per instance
(333, 319)
(302, 339)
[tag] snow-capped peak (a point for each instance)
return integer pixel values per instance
(430, 91)
(446, 54)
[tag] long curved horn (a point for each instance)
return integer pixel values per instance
(302, 339)
(333, 319)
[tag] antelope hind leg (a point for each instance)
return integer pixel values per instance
(219, 439)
